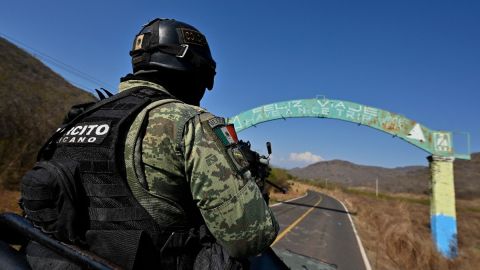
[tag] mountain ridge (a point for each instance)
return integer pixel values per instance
(412, 179)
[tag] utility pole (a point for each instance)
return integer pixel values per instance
(376, 187)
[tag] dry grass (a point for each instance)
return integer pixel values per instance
(395, 230)
(9, 201)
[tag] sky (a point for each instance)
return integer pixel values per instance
(420, 59)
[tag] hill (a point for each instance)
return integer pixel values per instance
(411, 179)
(33, 102)
(467, 177)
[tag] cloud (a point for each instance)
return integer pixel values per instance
(306, 157)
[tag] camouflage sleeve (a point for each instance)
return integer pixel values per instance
(231, 205)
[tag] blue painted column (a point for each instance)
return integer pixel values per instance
(443, 219)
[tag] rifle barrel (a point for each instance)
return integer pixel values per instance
(283, 190)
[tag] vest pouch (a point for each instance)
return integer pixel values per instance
(52, 197)
(214, 256)
(131, 249)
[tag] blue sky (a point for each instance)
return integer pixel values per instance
(417, 58)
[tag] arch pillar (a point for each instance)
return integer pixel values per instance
(443, 221)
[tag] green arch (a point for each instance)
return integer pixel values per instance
(439, 143)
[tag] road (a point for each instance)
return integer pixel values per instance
(318, 226)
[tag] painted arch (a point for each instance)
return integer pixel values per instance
(438, 143)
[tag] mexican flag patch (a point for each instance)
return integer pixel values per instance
(226, 134)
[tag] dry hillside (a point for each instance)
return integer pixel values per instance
(33, 102)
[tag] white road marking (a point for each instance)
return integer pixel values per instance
(277, 204)
(359, 242)
(362, 250)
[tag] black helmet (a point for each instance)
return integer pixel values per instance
(174, 45)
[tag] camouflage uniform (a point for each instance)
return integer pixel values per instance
(184, 163)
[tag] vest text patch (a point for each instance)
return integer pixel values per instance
(92, 132)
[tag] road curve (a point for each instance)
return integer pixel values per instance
(318, 226)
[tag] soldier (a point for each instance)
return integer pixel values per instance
(164, 180)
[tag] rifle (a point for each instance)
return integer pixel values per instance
(259, 166)
(16, 230)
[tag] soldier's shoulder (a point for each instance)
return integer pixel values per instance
(175, 110)
(177, 107)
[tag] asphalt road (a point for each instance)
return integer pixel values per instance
(318, 226)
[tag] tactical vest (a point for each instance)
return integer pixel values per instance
(78, 190)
